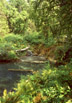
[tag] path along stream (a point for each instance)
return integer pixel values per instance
(9, 78)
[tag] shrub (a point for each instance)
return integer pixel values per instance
(8, 45)
(51, 41)
(50, 86)
(16, 40)
(7, 51)
(59, 53)
(13, 38)
(33, 38)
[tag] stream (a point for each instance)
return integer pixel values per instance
(9, 78)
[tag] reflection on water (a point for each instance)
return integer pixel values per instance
(8, 78)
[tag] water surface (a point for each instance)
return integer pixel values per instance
(9, 78)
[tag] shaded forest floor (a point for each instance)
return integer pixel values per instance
(48, 52)
(56, 54)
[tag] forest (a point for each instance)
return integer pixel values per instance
(45, 26)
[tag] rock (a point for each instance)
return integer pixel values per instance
(29, 53)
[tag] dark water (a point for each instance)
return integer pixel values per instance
(9, 78)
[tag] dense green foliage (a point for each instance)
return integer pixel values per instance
(8, 46)
(3, 21)
(36, 22)
(52, 17)
(17, 17)
(52, 85)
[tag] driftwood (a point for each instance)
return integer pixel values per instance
(20, 70)
(37, 62)
(22, 50)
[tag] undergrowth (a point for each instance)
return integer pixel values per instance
(52, 85)
(9, 44)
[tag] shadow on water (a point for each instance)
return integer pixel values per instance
(9, 78)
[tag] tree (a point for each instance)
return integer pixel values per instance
(4, 29)
(17, 16)
(53, 17)
(46, 17)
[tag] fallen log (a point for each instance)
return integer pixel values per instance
(22, 50)
(20, 70)
(37, 62)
